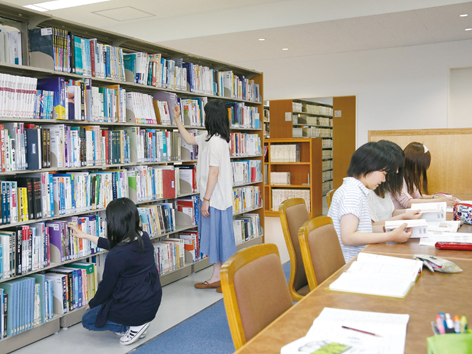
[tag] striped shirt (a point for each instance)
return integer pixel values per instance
(351, 198)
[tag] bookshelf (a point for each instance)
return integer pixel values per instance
(24, 20)
(297, 118)
(305, 175)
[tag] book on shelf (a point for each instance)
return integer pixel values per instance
(10, 42)
(379, 275)
(191, 245)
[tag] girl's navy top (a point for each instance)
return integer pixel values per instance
(130, 291)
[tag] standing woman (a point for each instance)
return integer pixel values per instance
(129, 295)
(415, 182)
(214, 178)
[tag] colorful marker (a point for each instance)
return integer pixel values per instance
(464, 325)
(457, 324)
(440, 324)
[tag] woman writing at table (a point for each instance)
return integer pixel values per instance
(415, 182)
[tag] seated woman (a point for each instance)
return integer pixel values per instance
(349, 208)
(415, 183)
(380, 201)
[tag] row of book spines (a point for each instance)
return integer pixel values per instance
(246, 171)
(33, 247)
(61, 194)
(30, 301)
(246, 227)
(243, 116)
(244, 143)
(245, 198)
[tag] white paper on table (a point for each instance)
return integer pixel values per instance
(327, 327)
(434, 237)
(444, 226)
(431, 211)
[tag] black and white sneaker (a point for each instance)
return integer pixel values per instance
(121, 334)
(134, 333)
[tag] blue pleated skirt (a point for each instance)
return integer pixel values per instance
(216, 234)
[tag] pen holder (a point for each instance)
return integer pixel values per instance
(450, 343)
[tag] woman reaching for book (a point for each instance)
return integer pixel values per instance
(415, 183)
(129, 295)
(214, 178)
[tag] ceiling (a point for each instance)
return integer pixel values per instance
(229, 30)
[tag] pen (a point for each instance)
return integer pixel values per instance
(464, 326)
(435, 328)
(358, 330)
(457, 324)
(449, 324)
(443, 317)
(440, 324)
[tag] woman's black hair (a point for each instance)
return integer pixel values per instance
(417, 162)
(123, 223)
(216, 119)
(371, 157)
(394, 179)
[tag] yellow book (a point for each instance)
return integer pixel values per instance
(24, 198)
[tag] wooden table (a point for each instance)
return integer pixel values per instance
(432, 293)
(412, 247)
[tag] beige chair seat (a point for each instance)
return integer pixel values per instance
(303, 291)
(255, 291)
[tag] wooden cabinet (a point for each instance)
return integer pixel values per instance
(305, 174)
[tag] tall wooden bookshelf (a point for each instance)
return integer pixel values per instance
(25, 19)
(296, 118)
(305, 175)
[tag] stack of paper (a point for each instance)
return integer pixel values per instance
(434, 237)
(444, 226)
(386, 333)
(379, 275)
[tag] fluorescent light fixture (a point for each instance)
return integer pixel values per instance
(36, 8)
(468, 29)
(284, 48)
(61, 4)
(464, 15)
(262, 39)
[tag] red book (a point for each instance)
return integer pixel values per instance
(92, 55)
(168, 182)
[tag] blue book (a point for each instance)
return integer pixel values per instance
(9, 289)
(33, 151)
(1, 313)
(42, 48)
(58, 86)
(51, 193)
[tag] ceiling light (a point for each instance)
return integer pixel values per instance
(262, 39)
(464, 15)
(284, 48)
(36, 8)
(468, 29)
(61, 4)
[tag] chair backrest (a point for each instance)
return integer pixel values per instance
(320, 248)
(329, 196)
(293, 214)
(254, 289)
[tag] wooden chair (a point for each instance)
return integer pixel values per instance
(255, 291)
(293, 214)
(320, 248)
(329, 196)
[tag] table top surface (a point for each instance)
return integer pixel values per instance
(431, 294)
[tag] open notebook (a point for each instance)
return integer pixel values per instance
(379, 275)
(387, 333)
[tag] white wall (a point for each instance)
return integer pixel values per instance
(460, 98)
(396, 88)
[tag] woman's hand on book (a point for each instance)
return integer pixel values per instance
(401, 234)
(412, 214)
(77, 232)
(176, 110)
